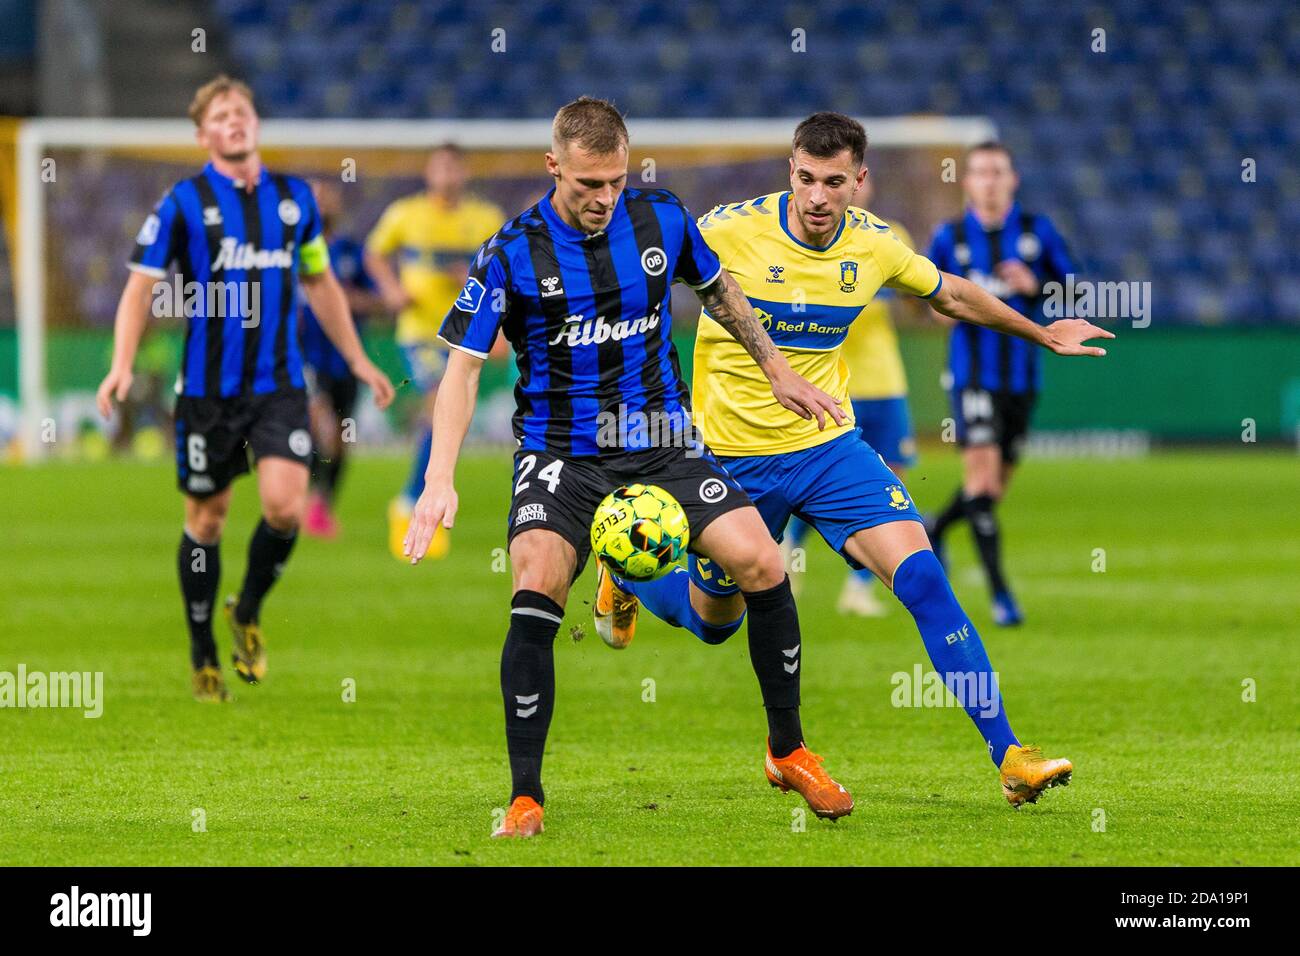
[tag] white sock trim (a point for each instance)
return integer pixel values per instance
(534, 612)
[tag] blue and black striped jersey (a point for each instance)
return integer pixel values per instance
(236, 254)
(588, 315)
(347, 261)
(979, 357)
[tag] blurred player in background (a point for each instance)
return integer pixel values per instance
(432, 235)
(248, 239)
(878, 391)
(994, 378)
(835, 259)
(331, 385)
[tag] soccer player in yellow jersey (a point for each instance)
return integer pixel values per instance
(809, 263)
(432, 235)
(878, 391)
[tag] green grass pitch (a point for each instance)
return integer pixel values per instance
(1137, 673)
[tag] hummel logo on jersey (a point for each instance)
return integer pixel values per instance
(776, 274)
(470, 296)
(551, 286)
(211, 216)
(234, 254)
(526, 711)
(579, 331)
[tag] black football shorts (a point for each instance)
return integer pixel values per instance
(215, 435)
(561, 493)
(993, 418)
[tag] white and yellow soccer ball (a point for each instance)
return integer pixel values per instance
(639, 531)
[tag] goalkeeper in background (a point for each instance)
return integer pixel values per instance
(432, 235)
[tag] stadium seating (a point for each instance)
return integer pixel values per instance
(1137, 151)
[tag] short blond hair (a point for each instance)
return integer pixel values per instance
(594, 124)
(210, 90)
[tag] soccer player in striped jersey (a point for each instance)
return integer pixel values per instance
(994, 378)
(242, 239)
(580, 284)
(833, 258)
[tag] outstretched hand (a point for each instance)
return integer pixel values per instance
(1066, 337)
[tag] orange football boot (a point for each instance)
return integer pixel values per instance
(523, 819)
(614, 610)
(1026, 773)
(802, 772)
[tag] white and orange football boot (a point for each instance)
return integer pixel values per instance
(523, 819)
(1026, 773)
(614, 610)
(802, 772)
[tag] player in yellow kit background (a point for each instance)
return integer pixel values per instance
(432, 235)
(878, 392)
(809, 263)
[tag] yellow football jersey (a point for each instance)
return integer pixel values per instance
(870, 350)
(430, 239)
(807, 298)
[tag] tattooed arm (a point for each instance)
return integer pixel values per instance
(727, 304)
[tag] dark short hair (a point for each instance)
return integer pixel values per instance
(595, 125)
(990, 146)
(449, 147)
(827, 134)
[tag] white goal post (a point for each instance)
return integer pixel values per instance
(35, 137)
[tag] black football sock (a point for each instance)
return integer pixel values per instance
(955, 511)
(200, 570)
(333, 472)
(325, 474)
(774, 646)
(267, 552)
(528, 687)
(984, 523)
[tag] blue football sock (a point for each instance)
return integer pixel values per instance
(954, 647)
(669, 599)
(415, 481)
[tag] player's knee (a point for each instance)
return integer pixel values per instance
(919, 580)
(715, 633)
(533, 573)
(764, 569)
(284, 514)
(207, 528)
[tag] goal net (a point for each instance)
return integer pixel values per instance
(82, 188)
